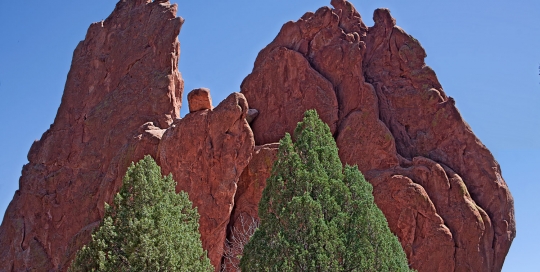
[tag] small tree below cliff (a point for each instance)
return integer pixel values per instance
(149, 228)
(317, 216)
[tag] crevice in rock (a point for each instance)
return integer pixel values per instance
(23, 234)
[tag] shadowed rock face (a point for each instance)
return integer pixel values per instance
(439, 187)
(123, 88)
(244, 217)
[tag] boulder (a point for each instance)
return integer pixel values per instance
(199, 99)
(251, 115)
(300, 88)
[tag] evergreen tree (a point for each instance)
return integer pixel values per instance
(317, 216)
(149, 228)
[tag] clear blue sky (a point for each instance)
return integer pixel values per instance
(485, 53)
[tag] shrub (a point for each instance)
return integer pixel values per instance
(149, 228)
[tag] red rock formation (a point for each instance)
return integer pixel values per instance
(437, 131)
(124, 74)
(439, 187)
(206, 152)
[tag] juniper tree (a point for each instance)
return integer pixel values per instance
(149, 228)
(318, 216)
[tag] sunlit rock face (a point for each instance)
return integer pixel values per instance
(438, 185)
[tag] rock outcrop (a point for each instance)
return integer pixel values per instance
(440, 188)
(206, 152)
(123, 88)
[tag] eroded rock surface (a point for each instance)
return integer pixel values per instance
(206, 152)
(440, 188)
(412, 216)
(123, 75)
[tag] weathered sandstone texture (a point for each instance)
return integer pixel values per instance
(206, 152)
(438, 185)
(123, 89)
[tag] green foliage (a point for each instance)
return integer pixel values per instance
(317, 216)
(149, 228)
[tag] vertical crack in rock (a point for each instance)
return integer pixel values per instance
(244, 217)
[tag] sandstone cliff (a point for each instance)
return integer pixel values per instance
(439, 187)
